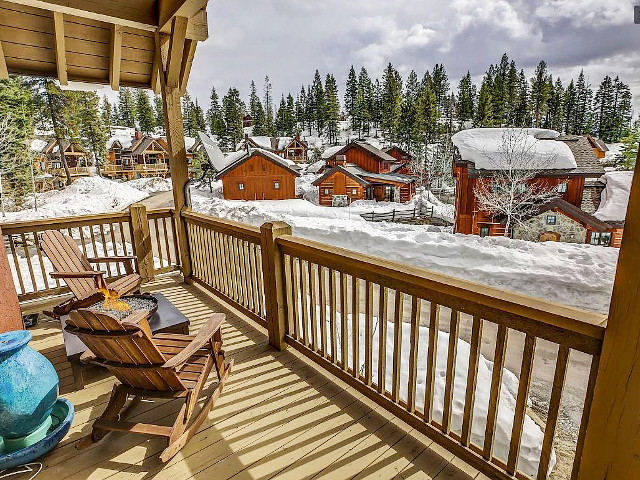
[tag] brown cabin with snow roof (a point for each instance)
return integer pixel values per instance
(49, 165)
(145, 156)
(259, 175)
(572, 186)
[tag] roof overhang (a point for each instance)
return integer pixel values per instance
(112, 42)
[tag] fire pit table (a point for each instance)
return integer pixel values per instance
(164, 318)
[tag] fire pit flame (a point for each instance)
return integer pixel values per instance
(112, 301)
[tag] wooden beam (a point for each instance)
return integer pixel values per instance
(176, 51)
(612, 444)
(4, 72)
(115, 61)
(168, 9)
(187, 61)
(138, 14)
(179, 168)
(61, 50)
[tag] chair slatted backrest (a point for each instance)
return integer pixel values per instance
(66, 256)
(127, 350)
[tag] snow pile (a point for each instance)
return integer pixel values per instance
(532, 435)
(615, 197)
(488, 147)
(614, 154)
(37, 145)
(85, 196)
(305, 188)
(578, 275)
(151, 184)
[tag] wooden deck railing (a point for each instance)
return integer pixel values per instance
(227, 260)
(406, 338)
(97, 235)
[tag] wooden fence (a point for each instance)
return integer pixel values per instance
(415, 213)
(111, 234)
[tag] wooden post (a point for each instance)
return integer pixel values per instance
(612, 444)
(177, 152)
(142, 241)
(274, 281)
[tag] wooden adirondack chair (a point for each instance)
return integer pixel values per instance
(166, 366)
(70, 264)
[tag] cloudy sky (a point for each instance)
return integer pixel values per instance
(289, 39)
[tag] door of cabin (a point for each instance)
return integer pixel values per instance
(549, 237)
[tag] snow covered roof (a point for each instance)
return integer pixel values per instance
(615, 196)
(495, 148)
(329, 152)
(283, 142)
(124, 139)
(214, 154)
(316, 166)
(235, 159)
(37, 145)
(189, 142)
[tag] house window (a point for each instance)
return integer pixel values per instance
(354, 191)
(326, 191)
(484, 231)
(521, 188)
(562, 187)
(603, 238)
(552, 219)
(276, 185)
(241, 186)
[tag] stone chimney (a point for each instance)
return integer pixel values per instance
(341, 160)
(137, 135)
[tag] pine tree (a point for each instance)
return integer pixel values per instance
(555, 110)
(391, 103)
(512, 93)
(583, 117)
(301, 108)
(199, 121)
(145, 115)
(188, 115)
(158, 109)
(320, 114)
(376, 110)
(623, 109)
(569, 106)
(126, 107)
(256, 111)
(522, 115)
(93, 130)
(269, 121)
(440, 87)
(466, 99)
(106, 113)
(604, 110)
(232, 109)
(408, 124)
(350, 94)
(499, 88)
(290, 118)
(332, 105)
(310, 108)
(426, 125)
(215, 118)
(281, 117)
(484, 115)
(366, 102)
(539, 94)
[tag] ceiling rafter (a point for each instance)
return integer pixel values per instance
(60, 47)
(115, 57)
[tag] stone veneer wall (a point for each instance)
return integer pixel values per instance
(565, 226)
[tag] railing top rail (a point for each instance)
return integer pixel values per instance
(228, 227)
(570, 326)
(43, 224)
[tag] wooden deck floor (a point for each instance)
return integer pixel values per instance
(278, 417)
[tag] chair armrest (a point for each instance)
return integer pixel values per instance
(115, 258)
(204, 335)
(78, 274)
(136, 317)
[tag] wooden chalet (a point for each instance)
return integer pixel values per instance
(403, 157)
(572, 185)
(142, 156)
(290, 148)
(304, 398)
(247, 120)
(379, 177)
(258, 175)
(50, 162)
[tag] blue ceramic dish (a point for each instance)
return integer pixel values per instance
(62, 415)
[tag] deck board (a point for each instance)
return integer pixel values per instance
(278, 417)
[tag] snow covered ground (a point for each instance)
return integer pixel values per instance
(578, 275)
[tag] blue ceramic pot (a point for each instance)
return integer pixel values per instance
(28, 386)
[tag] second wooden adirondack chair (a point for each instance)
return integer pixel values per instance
(165, 366)
(71, 265)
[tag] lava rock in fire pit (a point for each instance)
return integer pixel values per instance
(135, 303)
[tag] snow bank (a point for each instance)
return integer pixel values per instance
(85, 196)
(614, 153)
(485, 147)
(151, 184)
(578, 275)
(615, 197)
